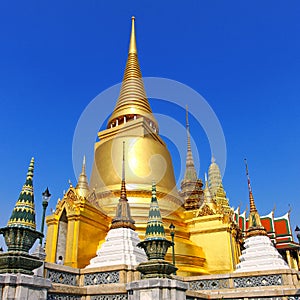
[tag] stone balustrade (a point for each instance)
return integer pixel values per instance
(111, 283)
(103, 283)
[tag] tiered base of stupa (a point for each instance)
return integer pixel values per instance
(259, 255)
(119, 248)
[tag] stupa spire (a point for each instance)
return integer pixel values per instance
(132, 43)
(23, 214)
(123, 184)
(259, 253)
(155, 229)
(207, 194)
(82, 186)
(132, 102)
(190, 171)
(214, 177)
(254, 226)
(251, 198)
(123, 216)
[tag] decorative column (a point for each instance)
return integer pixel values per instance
(156, 280)
(20, 233)
(155, 245)
(17, 265)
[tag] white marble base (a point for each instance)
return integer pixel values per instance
(119, 248)
(23, 287)
(157, 289)
(260, 254)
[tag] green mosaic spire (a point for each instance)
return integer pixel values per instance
(155, 245)
(23, 214)
(155, 229)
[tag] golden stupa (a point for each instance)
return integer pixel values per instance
(206, 238)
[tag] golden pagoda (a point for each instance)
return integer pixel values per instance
(205, 235)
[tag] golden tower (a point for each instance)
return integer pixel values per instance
(148, 158)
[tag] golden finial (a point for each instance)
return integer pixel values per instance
(30, 169)
(251, 198)
(83, 171)
(82, 186)
(132, 44)
(123, 185)
(190, 171)
(255, 227)
(188, 128)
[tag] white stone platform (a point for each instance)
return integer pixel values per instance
(260, 254)
(23, 287)
(120, 247)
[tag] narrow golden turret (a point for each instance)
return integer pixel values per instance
(207, 194)
(132, 43)
(191, 186)
(254, 224)
(190, 171)
(82, 186)
(132, 102)
(123, 216)
(222, 200)
(214, 177)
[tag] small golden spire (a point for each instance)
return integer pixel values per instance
(251, 198)
(213, 160)
(207, 194)
(82, 186)
(254, 224)
(132, 43)
(123, 185)
(83, 170)
(123, 216)
(190, 171)
(214, 177)
(188, 129)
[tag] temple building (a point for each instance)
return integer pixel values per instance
(209, 233)
(130, 233)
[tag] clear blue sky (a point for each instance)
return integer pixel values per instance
(242, 56)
